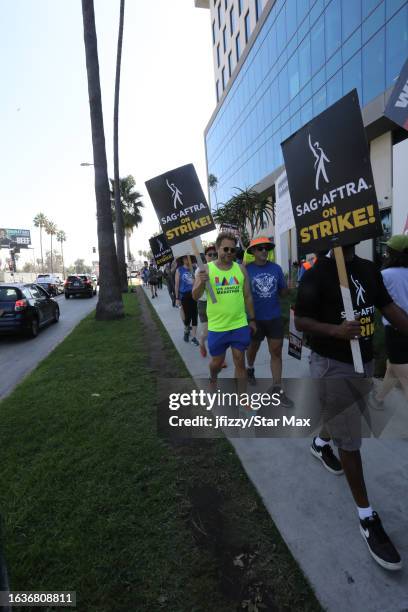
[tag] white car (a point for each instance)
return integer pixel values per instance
(51, 283)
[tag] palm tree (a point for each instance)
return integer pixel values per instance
(40, 221)
(120, 232)
(213, 184)
(62, 237)
(131, 204)
(51, 230)
(110, 304)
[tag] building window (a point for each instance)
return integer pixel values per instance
(238, 47)
(223, 78)
(217, 90)
(218, 55)
(219, 16)
(257, 9)
(239, 7)
(213, 31)
(224, 38)
(232, 20)
(230, 64)
(247, 27)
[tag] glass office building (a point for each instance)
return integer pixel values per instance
(301, 57)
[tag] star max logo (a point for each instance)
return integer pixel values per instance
(225, 282)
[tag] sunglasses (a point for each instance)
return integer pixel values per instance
(231, 250)
(211, 254)
(262, 248)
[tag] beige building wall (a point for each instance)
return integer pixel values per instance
(220, 12)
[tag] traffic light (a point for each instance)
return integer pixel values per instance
(93, 249)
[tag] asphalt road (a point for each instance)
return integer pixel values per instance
(19, 356)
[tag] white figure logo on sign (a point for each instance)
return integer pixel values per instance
(320, 159)
(360, 291)
(176, 194)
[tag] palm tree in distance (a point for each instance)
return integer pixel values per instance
(131, 204)
(119, 227)
(61, 237)
(110, 304)
(40, 221)
(213, 184)
(51, 229)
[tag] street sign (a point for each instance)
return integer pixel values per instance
(10, 238)
(162, 253)
(397, 107)
(180, 204)
(330, 179)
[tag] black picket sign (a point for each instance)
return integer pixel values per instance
(397, 107)
(180, 204)
(162, 253)
(330, 179)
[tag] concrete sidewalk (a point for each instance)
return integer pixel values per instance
(313, 509)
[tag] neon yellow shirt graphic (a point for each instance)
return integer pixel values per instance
(229, 311)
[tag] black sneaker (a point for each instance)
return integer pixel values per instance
(195, 342)
(251, 376)
(327, 457)
(379, 544)
(186, 336)
(285, 401)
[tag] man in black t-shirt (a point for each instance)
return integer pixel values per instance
(319, 312)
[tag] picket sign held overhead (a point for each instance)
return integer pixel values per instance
(181, 207)
(162, 253)
(332, 189)
(397, 107)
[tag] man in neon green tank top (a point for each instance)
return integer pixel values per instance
(228, 317)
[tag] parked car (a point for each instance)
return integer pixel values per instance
(79, 284)
(26, 308)
(49, 282)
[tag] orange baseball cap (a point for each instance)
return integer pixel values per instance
(261, 240)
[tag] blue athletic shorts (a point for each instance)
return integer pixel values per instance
(218, 342)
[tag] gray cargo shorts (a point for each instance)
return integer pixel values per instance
(343, 398)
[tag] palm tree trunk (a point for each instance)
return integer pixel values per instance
(42, 258)
(129, 254)
(51, 257)
(120, 234)
(62, 257)
(110, 305)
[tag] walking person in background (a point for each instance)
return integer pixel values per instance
(227, 318)
(169, 278)
(395, 276)
(210, 255)
(152, 277)
(145, 274)
(183, 287)
(160, 278)
(267, 284)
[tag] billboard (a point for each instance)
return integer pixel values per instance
(180, 204)
(330, 179)
(10, 238)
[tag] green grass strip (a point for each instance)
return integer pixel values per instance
(93, 501)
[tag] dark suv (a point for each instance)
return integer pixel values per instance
(26, 308)
(79, 284)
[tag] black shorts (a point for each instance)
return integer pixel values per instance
(273, 328)
(396, 345)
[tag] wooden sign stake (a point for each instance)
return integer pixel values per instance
(348, 306)
(202, 269)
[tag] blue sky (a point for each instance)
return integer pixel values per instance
(167, 96)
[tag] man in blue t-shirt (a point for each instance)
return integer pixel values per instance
(267, 283)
